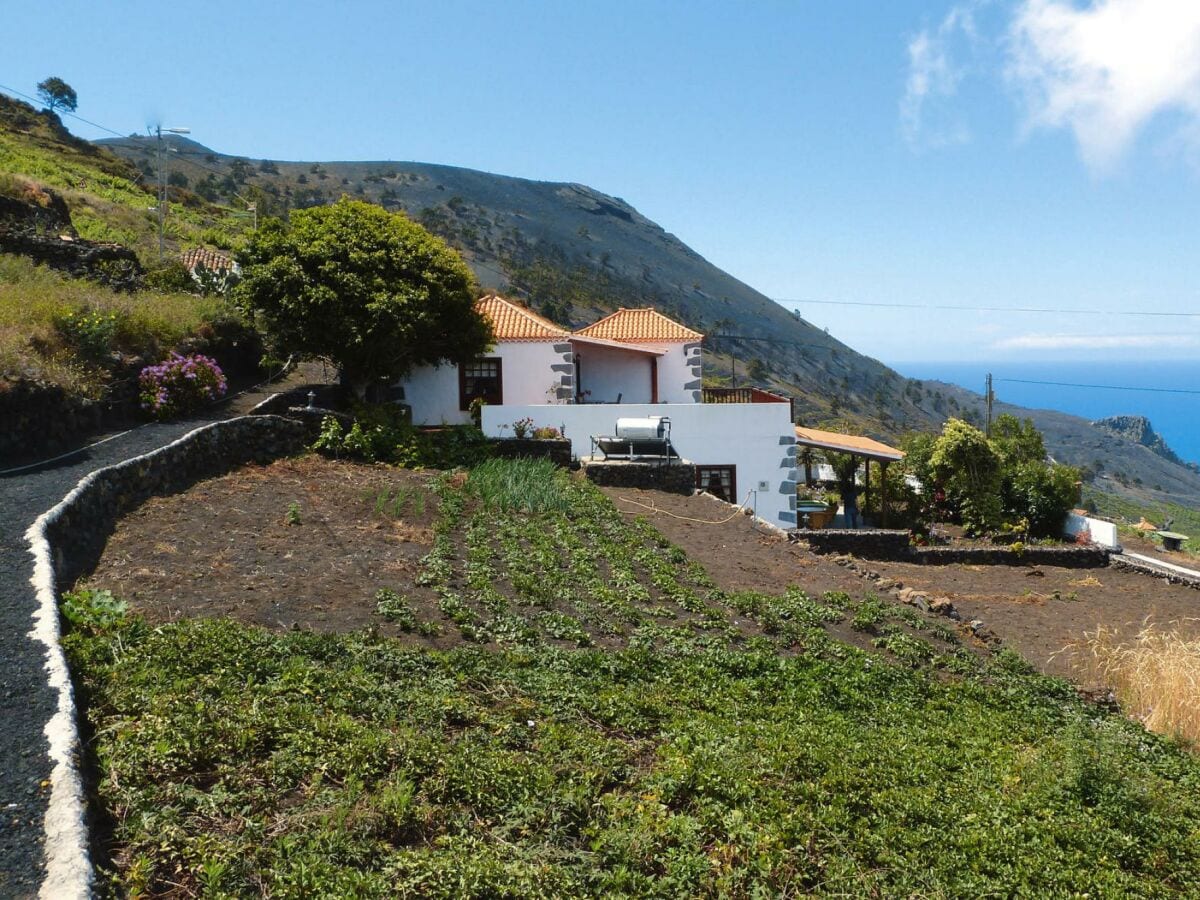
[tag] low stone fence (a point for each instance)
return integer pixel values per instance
(557, 450)
(66, 542)
(872, 543)
(1129, 564)
(1070, 557)
(868, 543)
(675, 478)
(83, 522)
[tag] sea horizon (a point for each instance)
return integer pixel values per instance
(1166, 392)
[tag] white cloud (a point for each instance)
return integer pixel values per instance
(934, 73)
(1105, 70)
(1097, 342)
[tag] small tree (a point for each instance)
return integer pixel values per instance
(370, 290)
(966, 465)
(1041, 494)
(57, 94)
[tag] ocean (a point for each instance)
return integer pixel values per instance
(1176, 416)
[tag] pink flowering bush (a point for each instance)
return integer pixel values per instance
(180, 384)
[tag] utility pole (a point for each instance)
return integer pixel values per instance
(162, 181)
(989, 395)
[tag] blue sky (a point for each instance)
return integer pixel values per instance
(1028, 153)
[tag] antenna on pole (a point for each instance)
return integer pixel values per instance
(162, 181)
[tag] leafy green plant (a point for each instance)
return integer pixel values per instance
(395, 608)
(292, 517)
(93, 611)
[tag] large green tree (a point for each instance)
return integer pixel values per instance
(370, 290)
(57, 94)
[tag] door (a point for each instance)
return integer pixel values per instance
(720, 481)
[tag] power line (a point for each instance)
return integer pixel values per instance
(1103, 387)
(1006, 309)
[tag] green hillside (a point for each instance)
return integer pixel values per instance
(109, 198)
(568, 250)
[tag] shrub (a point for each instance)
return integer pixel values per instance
(88, 332)
(966, 464)
(380, 433)
(180, 385)
(1043, 494)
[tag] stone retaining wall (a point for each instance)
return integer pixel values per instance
(871, 543)
(1128, 564)
(868, 543)
(79, 530)
(676, 478)
(66, 542)
(1071, 557)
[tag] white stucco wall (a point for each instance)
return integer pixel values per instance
(531, 370)
(1103, 533)
(757, 438)
(679, 373)
(608, 373)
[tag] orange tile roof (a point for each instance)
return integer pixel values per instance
(639, 325)
(210, 259)
(849, 443)
(513, 322)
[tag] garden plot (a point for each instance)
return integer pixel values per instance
(609, 722)
(515, 554)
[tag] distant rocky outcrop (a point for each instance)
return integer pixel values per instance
(35, 222)
(1139, 430)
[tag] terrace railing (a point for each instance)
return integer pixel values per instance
(745, 395)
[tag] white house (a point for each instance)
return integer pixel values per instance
(631, 356)
(532, 361)
(632, 363)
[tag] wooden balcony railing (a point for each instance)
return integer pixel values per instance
(745, 395)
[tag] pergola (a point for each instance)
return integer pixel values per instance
(859, 447)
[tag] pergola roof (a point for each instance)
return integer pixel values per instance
(616, 345)
(847, 443)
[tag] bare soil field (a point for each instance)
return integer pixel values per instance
(302, 543)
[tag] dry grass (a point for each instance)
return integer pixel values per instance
(1155, 675)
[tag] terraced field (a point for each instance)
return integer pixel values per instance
(567, 705)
